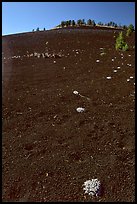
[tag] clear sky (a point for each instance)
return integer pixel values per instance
(18, 17)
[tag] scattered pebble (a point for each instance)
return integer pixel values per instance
(54, 61)
(112, 60)
(103, 53)
(75, 92)
(80, 109)
(19, 113)
(115, 71)
(129, 55)
(118, 67)
(131, 77)
(129, 65)
(128, 79)
(97, 60)
(109, 77)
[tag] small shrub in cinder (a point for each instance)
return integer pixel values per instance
(125, 47)
(131, 27)
(120, 43)
(130, 30)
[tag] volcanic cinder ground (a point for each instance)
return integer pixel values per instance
(48, 148)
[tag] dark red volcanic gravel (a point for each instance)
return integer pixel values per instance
(49, 149)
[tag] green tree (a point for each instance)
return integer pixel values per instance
(93, 23)
(63, 24)
(131, 27)
(44, 29)
(130, 30)
(37, 29)
(69, 22)
(124, 27)
(100, 23)
(73, 23)
(89, 22)
(128, 33)
(79, 22)
(110, 23)
(120, 43)
(83, 22)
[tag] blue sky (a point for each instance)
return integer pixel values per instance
(18, 17)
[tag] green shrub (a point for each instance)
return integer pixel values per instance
(120, 43)
(129, 31)
(125, 47)
(131, 27)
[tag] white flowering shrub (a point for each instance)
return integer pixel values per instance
(92, 187)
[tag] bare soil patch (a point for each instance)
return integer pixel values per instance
(49, 149)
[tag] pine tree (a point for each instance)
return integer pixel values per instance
(73, 23)
(62, 24)
(130, 30)
(131, 27)
(93, 23)
(79, 22)
(69, 22)
(89, 22)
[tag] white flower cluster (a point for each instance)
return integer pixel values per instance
(92, 187)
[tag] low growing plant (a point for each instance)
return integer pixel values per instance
(129, 31)
(125, 47)
(120, 43)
